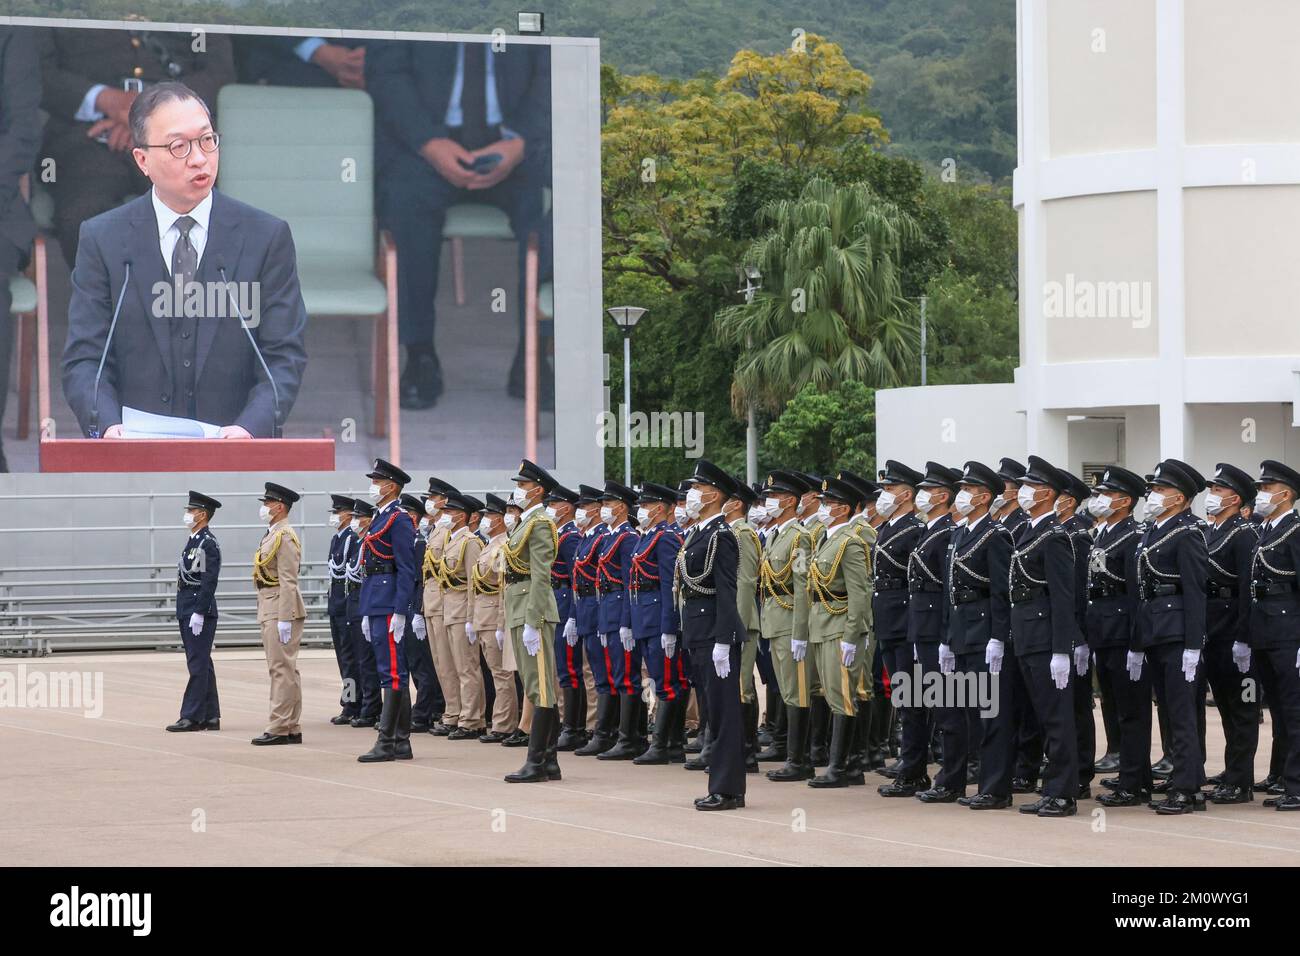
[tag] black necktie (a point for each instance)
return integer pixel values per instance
(185, 259)
(473, 97)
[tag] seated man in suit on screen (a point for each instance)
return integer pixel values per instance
(211, 319)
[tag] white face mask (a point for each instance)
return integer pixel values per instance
(606, 514)
(757, 514)
(772, 506)
(424, 524)
(824, 514)
(1264, 503)
(355, 525)
(642, 515)
(188, 520)
(444, 521)
(582, 517)
(998, 503)
(264, 513)
(1025, 497)
(334, 520)
(550, 512)
(431, 509)
(1155, 503)
(963, 502)
(520, 497)
(375, 493)
(694, 502)
(923, 501)
(1099, 506)
(510, 522)
(886, 503)
(679, 512)
(1213, 503)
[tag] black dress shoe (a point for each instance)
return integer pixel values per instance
(184, 726)
(1177, 802)
(1162, 767)
(1109, 763)
(517, 739)
(1229, 793)
(1058, 807)
(295, 738)
(1033, 808)
(439, 729)
(1261, 786)
(364, 721)
(1120, 797)
(1288, 802)
(1085, 792)
(492, 737)
(717, 801)
(419, 728)
(1278, 789)
(1214, 781)
(987, 801)
(938, 795)
(338, 720)
(1110, 783)
(271, 740)
(1023, 785)
(421, 383)
(904, 788)
(213, 724)
(465, 733)
(1161, 786)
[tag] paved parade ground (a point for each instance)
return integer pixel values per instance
(117, 790)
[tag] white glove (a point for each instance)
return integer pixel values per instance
(798, 649)
(365, 629)
(848, 650)
(916, 653)
(501, 639)
(1190, 659)
(993, 655)
(669, 643)
(196, 624)
(604, 640)
(532, 640)
(470, 633)
(1134, 662)
(571, 632)
(1081, 655)
(399, 627)
(419, 627)
(1060, 668)
(286, 631)
(1297, 661)
(947, 660)
(722, 659)
(625, 635)
(1241, 656)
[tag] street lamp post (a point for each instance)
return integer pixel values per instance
(753, 282)
(626, 317)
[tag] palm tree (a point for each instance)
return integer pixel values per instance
(831, 309)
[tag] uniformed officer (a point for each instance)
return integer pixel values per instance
(839, 618)
(583, 632)
(419, 657)
(460, 554)
(783, 584)
(440, 646)
(1079, 529)
(977, 608)
(196, 611)
(367, 669)
(869, 690)
(1230, 541)
(895, 540)
(613, 562)
(1109, 624)
(488, 613)
(561, 505)
(655, 622)
(388, 562)
(1274, 611)
(531, 615)
(704, 579)
(809, 503)
(342, 542)
(735, 510)
(1044, 631)
(280, 614)
(925, 599)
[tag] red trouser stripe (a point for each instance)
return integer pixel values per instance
(568, 664)
(392, 655)
(627, 671)
(668, 678)
(609, 671)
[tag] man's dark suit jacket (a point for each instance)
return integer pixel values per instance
(20, 133)
(411, 83)
(231, 388)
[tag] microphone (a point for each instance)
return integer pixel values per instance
(108, 343)
(275, 392)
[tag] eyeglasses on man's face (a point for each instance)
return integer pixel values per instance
(180, 148)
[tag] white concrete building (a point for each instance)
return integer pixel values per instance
(1158, 194)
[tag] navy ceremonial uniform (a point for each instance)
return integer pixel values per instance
(1275, 634)
(614, 559)
(362, 651)
(342, 544)
(1085, 726)
(586, 606)
(895, 540)
(196, 593)
(568, 660)
(388, 560)
(428, 691)
(654, 612)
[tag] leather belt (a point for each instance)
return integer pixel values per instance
(1021, 595)
(514, 577)
(889, 584)
(1271, 588)
(968, 595)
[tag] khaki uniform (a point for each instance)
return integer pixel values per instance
(458, 560)
(488, 614)
(751, 553)
(529, 553)
(783, 580)
(443, 662)
(275, 577)
(839, 610)
(863, 689)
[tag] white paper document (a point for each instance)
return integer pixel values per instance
(138, 424)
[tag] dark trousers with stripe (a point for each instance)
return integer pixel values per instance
(668, 673)
(916, 728)
(568, 661)
(961, 724)
(200, 701)
(727, 756)
(1277, 672)
(1178, 696)
(1055, 712)
(350, 696)
(428, 692)
(1133, 710)
(1085, 725)
(997, 746)
(598, 659)
(625, 666)
(1240, 716)
(390, 655)
(367, 669)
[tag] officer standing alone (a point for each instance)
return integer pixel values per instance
(196, 610)
(280, 614)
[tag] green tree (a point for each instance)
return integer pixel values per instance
(825, 431)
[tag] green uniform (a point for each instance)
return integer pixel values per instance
(529, 552)
(839, 610)
(863, 688)
(783, 577)
(751, 553)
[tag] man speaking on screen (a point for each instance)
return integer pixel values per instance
(185, 302)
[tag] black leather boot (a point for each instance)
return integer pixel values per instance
(821, 718)
(385, 745)
(574, 734)
(629, 712)
(665, 721)
(837, 773)
(797, 765)
(701, 760)
(550, 762)
(677, 733)
(601, 738)
(751, 735)
(539, 736)
(402, 741)
(856, 765)
(878, 737)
